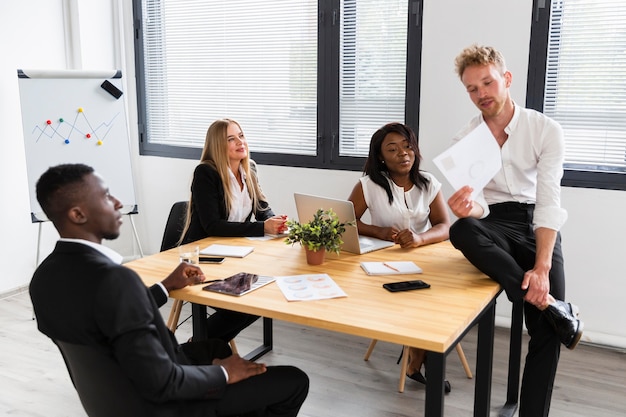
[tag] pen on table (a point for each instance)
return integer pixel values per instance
(208, 281)
(390, 267)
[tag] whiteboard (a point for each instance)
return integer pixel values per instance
(68, 117)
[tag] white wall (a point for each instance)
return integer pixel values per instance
(592, 238)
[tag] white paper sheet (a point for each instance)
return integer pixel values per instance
(309, 287)
(473, 161)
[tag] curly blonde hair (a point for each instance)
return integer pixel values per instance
(479, 55)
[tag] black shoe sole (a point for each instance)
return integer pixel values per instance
(577, 336)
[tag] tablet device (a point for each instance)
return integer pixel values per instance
(239, 284)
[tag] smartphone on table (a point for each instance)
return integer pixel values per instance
(406, 285)
(211, 259)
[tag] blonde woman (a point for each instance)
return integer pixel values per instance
(225, 194)
(225, 191)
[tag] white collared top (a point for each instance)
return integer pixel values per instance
(532, 167)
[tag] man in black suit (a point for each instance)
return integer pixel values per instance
(82, 295)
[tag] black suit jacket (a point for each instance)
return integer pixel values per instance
(80, 296)
(208, 213)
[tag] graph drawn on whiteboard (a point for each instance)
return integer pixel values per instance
(73, 117)
(78, 128)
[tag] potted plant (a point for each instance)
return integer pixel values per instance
(321, 234)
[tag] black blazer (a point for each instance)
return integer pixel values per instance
(208, 212)
(80, 296)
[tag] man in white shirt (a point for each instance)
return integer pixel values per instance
(510, 231)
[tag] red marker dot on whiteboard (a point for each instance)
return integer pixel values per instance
(48, 122)
(88, 135)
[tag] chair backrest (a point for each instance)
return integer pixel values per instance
(104, 390)
(174, 225)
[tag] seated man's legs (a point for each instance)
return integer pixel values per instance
(279, 392)
(504, 249)
(489, 249)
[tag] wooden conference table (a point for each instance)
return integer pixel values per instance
(435, 319)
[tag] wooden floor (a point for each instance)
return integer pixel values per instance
(591, 381)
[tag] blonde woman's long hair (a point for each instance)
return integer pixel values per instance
(215, 154)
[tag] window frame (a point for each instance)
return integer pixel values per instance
(327, 140)
(537, 68)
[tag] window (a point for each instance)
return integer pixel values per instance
(308, 80)
(577, 76)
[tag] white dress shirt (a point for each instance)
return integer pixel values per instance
(532, 167)
(409, 210)
(241, 203)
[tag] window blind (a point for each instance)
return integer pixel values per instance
(255, 62)
(373, 51)
(585, 87)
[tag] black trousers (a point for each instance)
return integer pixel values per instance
(279, 392)
(226, 324)
(503, 246)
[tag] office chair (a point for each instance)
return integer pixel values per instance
(104, 390)
(173, 229)
(405, 362)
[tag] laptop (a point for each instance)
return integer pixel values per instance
(307, 205)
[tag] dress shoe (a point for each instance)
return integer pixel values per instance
(417, 376)
(562, 317)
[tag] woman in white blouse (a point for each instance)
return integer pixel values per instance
(405, 205)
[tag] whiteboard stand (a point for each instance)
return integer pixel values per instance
(38, 243)
(132, 223)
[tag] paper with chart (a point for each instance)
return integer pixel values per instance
(473, 161)
(309, 287)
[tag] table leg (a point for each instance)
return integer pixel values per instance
(198, 317)
(435, 371)
(268, 341)
(484, 361)
(515, 359)
(198, 312)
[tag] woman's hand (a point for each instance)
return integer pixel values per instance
(275, 225)
(407, 239)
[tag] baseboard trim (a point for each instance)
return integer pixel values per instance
(15, 291)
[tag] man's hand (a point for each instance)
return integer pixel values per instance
(239, 368)
(184, 274)
(537, 282)
(461, 202)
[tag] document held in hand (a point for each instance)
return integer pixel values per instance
(474, 160)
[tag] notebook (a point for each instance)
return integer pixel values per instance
(227, 250)
(239, 284)
(391, 268)
(307, 205)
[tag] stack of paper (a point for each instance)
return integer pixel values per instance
(227, 250)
